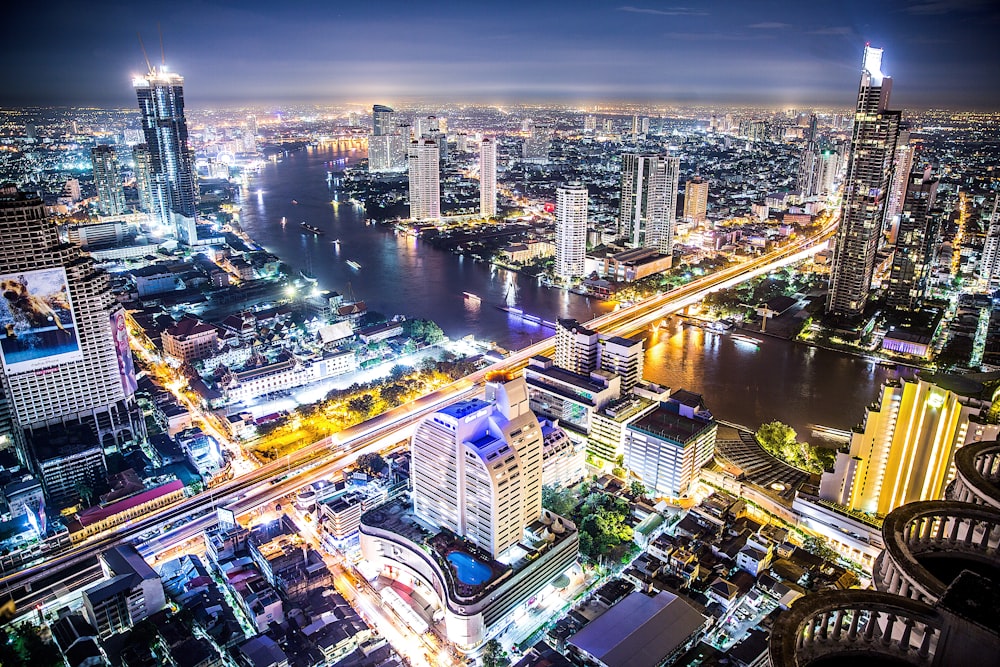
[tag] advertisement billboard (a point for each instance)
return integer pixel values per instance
(126, 369)
(37, 323)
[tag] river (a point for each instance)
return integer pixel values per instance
(799, 385)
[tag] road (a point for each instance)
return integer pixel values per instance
(331, 453)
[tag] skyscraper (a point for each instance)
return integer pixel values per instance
(477, 467)
(866, 191)
(386, 145)
(487, 177)
(425, 180)
(648, 204)
(902, 165)
(989, 268)
(107, 180)
(589, 124)
(143, 177)
(809, 162)
(911, 263)
(65, 352)
(571, 230)
(172, 177)
(696, 200)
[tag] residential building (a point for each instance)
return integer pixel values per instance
(425, 180)
(624, 357)
(131, 592)
(696, 200)
(666, 448)
(190, 339)
(648, 206)
(386, 143)
(487, 177)
(989, 268)
(577, 347)
(567, 397)
(916, 238)
(571, 230)
(107, 180)
(866, 191)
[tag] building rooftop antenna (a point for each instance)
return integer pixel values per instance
(144, 56)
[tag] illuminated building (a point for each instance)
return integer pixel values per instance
(487, 177)
(107, 180)
(989, 268)
(131, 592)
(667, 447)
(577, 347)
(903, 451)
(536, 145)
(915, 239)
(73, 364)
(589, 124)
(806, 182)
(624, 357)
(386, 144)
(866, 191)
(425, 180)
(902, 165)
(569, 397)
(172, 178)
(696, 200)
(648, 206)
(143, 177)
(571, 230)
(477, 541)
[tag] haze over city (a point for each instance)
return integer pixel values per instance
(770, 53)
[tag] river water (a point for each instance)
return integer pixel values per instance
(799, 385)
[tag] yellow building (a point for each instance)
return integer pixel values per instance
(904, 449)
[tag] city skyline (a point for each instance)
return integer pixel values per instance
(774, 53)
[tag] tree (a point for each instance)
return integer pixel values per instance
(637, 489)
(362, 405)
(494, 655)
(85, 491)
(560, 501)
(371, 463)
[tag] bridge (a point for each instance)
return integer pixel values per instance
(76, 567)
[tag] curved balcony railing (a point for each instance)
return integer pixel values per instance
(845, 624)
(929, 529)
(977, 474)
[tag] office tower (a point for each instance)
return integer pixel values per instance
(425, 180)
(911, 263)
(65, 360)
(477, 467)
(902, 165)
(143, 177)
(644, 126)
(809, 162)
(649, 200)
(589, 124)
(427, 125)
(252, 125)
(577, 347)
(487, 177)
(386, 144)
(635, 127)
(828, 163)
(107, 179)
(666, 448)
(536, 145)
(131, 592)
(172, 178)
(696, 200)
(571, 230)
(903, 452)
(623, 357)
(866, 190)
(989, 267)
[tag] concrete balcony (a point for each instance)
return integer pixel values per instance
(927, 544)
(977, 474)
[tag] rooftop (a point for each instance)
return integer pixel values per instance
(666, 424)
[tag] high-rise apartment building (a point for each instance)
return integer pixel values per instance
(989, 267)
(667, 447)
(915, 238)
(571, 230)
(696, 200)
(425, 180)
(487, 177)
(172, 176)
(624, 357)
(65, 350)
(903, 452)
(648, 206)
(107, 180)
(143, 177)
(477, 467)
(589, 124)
(902, 165)
(866, 191)
(577, 347)
(809, 162)
(386, 144)
(131, 592)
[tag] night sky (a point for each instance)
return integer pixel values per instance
(940, 53)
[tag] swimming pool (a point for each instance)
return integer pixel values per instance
(470, 571)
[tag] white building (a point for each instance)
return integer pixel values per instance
(487, 177)
(571, 230)
(648, 207)
(425, 180)
(989, 270)
(666, 448)
(386, 144)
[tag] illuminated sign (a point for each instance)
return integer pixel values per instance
(37, 324)
(126, 369)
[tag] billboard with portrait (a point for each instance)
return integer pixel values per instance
(126, 369)
(37, 323)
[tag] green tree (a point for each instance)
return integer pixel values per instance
(85, 490)
(560, 501)
(362, 405)
(637, 489)
(371, 463)
(494, 655)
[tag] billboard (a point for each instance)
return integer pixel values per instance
(126, 369)
(37, 324)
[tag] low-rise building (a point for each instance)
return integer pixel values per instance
(666, 449)
(189, 340)
(104, 517)
(131, 592)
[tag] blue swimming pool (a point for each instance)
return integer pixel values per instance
(470, 571)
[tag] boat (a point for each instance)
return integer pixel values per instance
(310, 228)
(749, 340)
(295, 202)
(354, 265)
(336, 242)
(283, 221)
(471, 297)
(308, 277)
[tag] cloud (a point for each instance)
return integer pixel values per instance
(713, 36)
(835, 30)
(669, 11)
(769, 25)
(936, 7)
